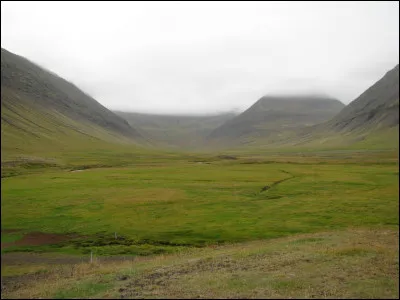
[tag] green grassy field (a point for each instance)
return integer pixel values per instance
(336, 210)
(193, 203)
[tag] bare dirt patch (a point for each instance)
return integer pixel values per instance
(37, 239)
(10, 230)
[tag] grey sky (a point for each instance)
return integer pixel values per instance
(206, 57)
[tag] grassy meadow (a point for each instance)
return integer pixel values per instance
(171, 209)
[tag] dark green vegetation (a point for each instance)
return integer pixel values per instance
(175, 131)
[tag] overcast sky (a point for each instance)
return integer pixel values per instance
(206, 57)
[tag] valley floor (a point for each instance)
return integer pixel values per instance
(290, 225)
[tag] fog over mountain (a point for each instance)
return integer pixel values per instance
(206, 57)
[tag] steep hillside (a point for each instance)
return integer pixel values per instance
(178, 131)
(377, 107)
(370, 121)
(275, 117)
(39, 108)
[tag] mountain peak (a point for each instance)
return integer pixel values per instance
(274, 114)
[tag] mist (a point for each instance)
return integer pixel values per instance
(206, 57)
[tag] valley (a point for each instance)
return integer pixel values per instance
(294, 197)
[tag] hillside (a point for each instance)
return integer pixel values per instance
(175, 131)
(275, 117)
(377, 107)
(370, 121)
(40, 109)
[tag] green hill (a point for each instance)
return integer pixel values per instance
(41, 112)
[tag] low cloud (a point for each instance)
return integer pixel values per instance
(204, 57)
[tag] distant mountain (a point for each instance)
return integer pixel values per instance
(37, 106)
(175, 131)
(273, 117)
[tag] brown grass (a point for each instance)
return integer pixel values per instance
(357, 263)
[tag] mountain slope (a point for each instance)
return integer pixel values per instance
(275, 117)
(182, 131)
(378, 106)
(370, 121)
(39, 107)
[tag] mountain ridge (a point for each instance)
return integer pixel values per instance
(50, 91)
(40, 109)
(271, 115)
